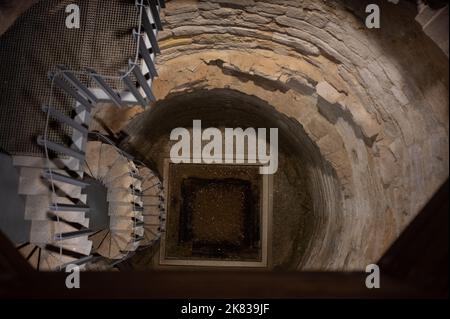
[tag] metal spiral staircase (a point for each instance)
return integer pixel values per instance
(129, 188)
(55, 202)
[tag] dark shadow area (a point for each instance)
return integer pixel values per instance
(12, 219)
(214, 213)
(97, 194)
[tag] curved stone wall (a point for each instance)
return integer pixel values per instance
(373, 102)
(305, 188)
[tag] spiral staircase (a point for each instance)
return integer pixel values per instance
(133, 192)
(56, 203)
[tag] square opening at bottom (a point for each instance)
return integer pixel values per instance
(215, 215)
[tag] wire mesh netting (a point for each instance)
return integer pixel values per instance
(37, 42)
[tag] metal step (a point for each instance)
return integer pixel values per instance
(133, 89)
(154, 4)
(79, 262)
(115, 97)
(58, 148)
(62, 84)
(70, 77)
(64, 119)
(68, 208)
(139, 224)
(145, 54)
(74, 234)
(50, 175)
(142, 81)
(150, 32)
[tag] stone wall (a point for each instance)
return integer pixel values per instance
(304, 187)
(374, 102)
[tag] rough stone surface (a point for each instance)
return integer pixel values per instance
(374, 103)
